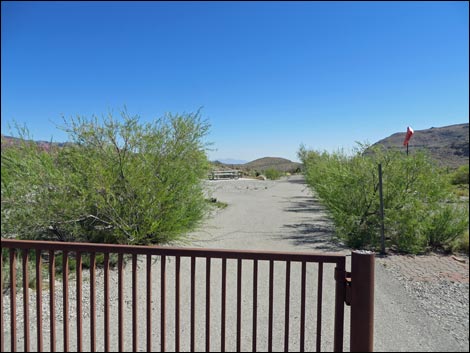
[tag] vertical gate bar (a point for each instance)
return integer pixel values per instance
(319, 304)
(255, 304)
(271, 299)
(13, 299)
(149, 303)
(26, 300)
(362, 301)
(93, 302)
(302, 307)
(224, 287)
(208, 303)
(193, 304)
(2, 323)
(65, 293)
(287, 306)
(239, 304)
(78, 260)
(52, 298)
(39, 300)
(163, 304)
(177, 304)
(120, 303)
(134, 303)
(340, 292)
(106, 302)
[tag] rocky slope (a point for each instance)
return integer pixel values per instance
(449, 145)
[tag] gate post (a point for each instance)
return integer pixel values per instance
(362, 301)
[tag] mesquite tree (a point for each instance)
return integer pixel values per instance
(116, 180)
(420, 209)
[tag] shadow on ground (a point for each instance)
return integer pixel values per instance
(315, 236)
(297, 180)
(317, 231)
(300, 204)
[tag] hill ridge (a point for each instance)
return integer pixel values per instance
(448, 145)
(265, 163)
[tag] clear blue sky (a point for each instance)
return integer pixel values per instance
(269, 75)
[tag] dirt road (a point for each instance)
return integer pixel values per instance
(283, 215)
(266, 215)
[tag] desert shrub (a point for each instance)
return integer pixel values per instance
(272, 174)
(461, 244)
(59, 262)
(418, 202)
(116, 181)
(460, 176)
(446, 225)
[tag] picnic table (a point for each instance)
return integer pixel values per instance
(224, 174)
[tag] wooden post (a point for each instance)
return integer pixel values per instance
(382, 221)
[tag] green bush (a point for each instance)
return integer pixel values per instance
(99, 260)
(461, 244)
(116, 181)
(272, 174)
(446, 225)
(460, 176)
(419, 206)
(59, 262)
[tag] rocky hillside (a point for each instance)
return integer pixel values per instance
(449, 145)
(45, 145)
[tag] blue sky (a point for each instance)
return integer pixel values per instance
(268, 75)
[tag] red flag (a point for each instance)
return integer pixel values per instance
(409, 133)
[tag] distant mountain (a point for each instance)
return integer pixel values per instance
(231, 161)
(9, 141)
(281, 164)
(449, 145)
(262, 164)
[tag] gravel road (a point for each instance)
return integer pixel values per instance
(284, 215)
(275, 216)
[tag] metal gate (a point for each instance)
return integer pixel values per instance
(191, 299)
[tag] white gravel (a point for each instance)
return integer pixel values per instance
(442, 302)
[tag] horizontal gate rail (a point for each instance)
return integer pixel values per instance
(171, 251)
(114, 332)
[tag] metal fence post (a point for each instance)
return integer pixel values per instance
(362, 301)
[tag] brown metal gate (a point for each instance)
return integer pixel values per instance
(213, 282)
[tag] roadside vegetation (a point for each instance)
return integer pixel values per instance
(460, 180)
(273, 174)
(115, 181)
(422, 210)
